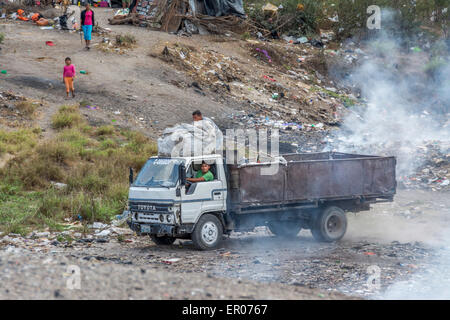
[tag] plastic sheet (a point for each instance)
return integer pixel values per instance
(196, 139)
(224, 7)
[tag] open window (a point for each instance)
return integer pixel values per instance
(196, 167)
(193, 170)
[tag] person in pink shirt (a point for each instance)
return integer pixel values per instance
(68, 76)
(87, 23)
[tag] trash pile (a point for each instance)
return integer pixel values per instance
(186, 17)
(49, 19)
(116, 46)
(290, 98)
(73, 235)
(200, 138)
(434, 171)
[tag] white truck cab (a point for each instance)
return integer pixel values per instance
(165, 206)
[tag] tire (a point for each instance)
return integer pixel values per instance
(329, 224)
(207, 233)
(285, 229)
(164, 240)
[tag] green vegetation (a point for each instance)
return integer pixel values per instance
(92, 163)
(313, 15)
(290, 19)
(2, 37)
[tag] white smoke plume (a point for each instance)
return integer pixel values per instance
(406, 107)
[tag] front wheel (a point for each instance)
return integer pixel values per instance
(164, 240)
(207, 233)
(329, 224)
(285, 229)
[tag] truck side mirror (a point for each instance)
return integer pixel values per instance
(131, 177)
(182, 174)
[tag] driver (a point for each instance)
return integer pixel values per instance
(202, 175)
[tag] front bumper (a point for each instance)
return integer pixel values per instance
(160, 229)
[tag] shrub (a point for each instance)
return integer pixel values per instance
(66, 117)
(127, 40)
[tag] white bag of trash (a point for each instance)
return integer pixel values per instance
(196, 139)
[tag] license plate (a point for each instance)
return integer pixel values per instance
(145, 228)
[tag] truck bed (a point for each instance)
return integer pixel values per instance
(313, 177)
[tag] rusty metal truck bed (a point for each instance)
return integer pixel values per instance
(313, 177)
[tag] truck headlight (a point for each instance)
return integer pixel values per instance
(169, 218)
(161, 217)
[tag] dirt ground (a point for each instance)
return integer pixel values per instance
(134, 83)
(402, 239)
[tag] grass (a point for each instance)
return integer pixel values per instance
(27, 108)
(14, 141)
(2, 37)
(66, 117)
(126, 40)
(91, 161)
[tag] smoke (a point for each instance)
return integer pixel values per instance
(407, 101)
(407, 95)
(432, 283)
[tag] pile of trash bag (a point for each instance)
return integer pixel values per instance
(199, 138)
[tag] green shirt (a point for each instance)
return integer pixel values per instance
(208, 176)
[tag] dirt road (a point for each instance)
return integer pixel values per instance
(402, 239)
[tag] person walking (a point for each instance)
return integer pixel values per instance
(87, 23)
(68, 76)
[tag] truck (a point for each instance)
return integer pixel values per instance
(306, 191)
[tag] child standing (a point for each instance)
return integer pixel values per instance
(87, 23)
(68, 76)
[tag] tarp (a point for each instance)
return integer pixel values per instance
(224, 7)
(199, 138)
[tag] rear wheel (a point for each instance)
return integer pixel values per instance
(208, 232)
(329, 224)
(285, 229)
(164, 240)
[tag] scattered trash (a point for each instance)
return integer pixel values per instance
(98, 225)
(302, 40)
(265, 53)
(170, 261)
(49, 43)
(83, 71)
(269, 78)
(4, 72)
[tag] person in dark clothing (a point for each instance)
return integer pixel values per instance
(133, 6)
(87, 23)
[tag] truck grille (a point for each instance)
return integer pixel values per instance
(148, 217)
(148, 207)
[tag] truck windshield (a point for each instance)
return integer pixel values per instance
(158, 173)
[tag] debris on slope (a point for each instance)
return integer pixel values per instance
(281, 85)
(16, 110)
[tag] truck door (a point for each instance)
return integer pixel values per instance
(200, 197)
